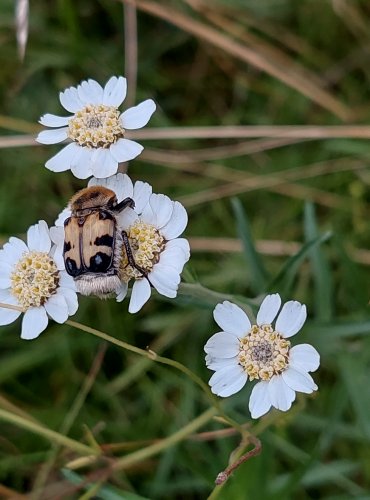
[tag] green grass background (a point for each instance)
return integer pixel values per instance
(320, 449)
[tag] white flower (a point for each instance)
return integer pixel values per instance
(32, 280)
(97, 129)
(156, 249)
(262, 352)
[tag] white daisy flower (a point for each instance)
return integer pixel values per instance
(32, 280)
(157, 251)
(97, 129)
(262, 352)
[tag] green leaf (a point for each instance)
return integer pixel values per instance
(323, 292)
(287, 273)
(257, 271)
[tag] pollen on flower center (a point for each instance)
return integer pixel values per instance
(263, 352)
(96, 126)
(146, 244)
(34, 279)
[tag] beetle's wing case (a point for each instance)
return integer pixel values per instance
(98, 240)
(71, 251)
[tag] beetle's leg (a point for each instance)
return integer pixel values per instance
(127, 202)
(131, 259)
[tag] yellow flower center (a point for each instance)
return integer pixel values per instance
(263, 352)
(96, 126)
(146, 244)
(34, 279)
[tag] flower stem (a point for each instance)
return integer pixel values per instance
(146, 353)
(80, 448)
(155, 448)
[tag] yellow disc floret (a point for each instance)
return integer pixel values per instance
(146, 244)
(263, 352)
(34, 279)
(96, 126)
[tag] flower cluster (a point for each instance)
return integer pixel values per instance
(115, 233)
(153, 227)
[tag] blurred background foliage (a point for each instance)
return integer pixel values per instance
(227, 62)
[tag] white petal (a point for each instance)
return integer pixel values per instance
(291, 318)
(125, 150)
(70, 297)
(228, 380)
(66, 281)
(174, 257)
(177, 224)
(148, 215)
(115, 91)
(121, 292)
(179, 244)
(281, 395)
(50, 120)
(38, 237)
(103, 164)
(304, 357)
(141, 195)
(62, 217)
(301, 382)
(7, 316)
(126, 218)
(125, 187)
(139, 296)
(81, 163)
(62, 160)
(138, 116)
(268, 309)
(259, 402)
(232, 319)
(5, 271)
(35, 320)
(90, 92)
(57, 235)
(52, 136)
(162, 208)
(222, 345)
(57, 255)
(57, 308)
(7, 256)
(165, 280)
(70, 101)
(19, 246)
(218, 363)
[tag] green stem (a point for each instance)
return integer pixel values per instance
(148, 354)
(153, 449)
(82, 449)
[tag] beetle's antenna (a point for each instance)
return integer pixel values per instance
(130, 257)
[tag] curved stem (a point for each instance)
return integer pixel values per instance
(148, 354)
(82, 449)
(155, 448)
